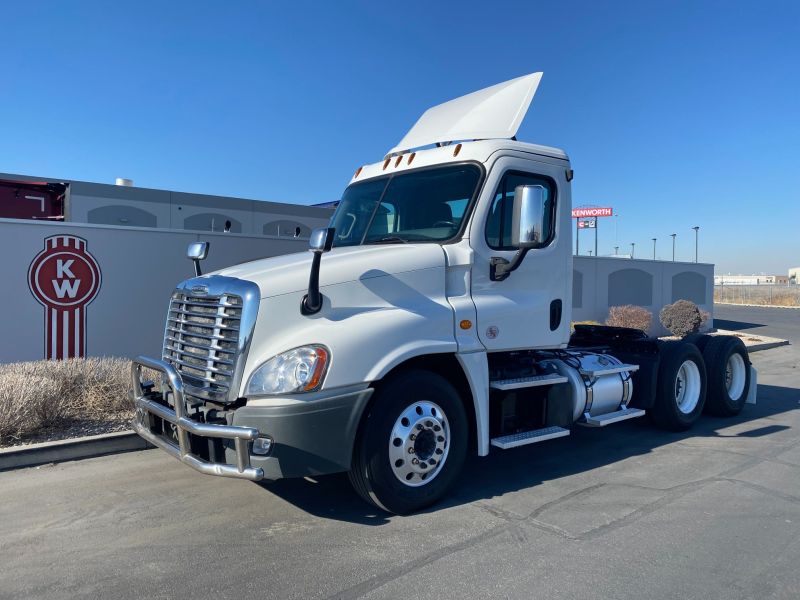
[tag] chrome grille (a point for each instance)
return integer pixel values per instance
(202, 341)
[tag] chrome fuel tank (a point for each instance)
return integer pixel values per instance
(593, 393)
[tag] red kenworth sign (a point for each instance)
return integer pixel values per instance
(64, 278)
(595, 211)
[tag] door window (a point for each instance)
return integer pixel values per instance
(498, 225)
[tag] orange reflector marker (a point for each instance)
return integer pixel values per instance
(319, 369)
(465, 324)
(358, 172)
(411, 157)
(399, 160)
(457, 150)
(386, 163)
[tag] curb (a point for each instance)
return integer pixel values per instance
(757, 305)
(18, 457)
(767, 345)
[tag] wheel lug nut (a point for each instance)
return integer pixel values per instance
(414, 461)
(412, 437)
(411, 450)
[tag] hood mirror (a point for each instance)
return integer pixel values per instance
(196, 252)
(321, 241)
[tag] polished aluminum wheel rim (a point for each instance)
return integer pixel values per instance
(419, 443)
(687, 387)
(735, 376)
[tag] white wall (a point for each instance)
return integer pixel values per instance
(648, 283)
(140, 268)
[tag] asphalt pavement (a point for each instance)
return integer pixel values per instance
(623, 512)
(774, 322)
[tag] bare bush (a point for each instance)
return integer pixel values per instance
(681, 317)
(28, 403)
(631, 316)
(37, 395)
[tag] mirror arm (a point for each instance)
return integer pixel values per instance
(321, 241)
(312, 302)
(500, 268)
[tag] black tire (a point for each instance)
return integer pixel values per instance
(698, 339)
(373, 476)
(667, 412)
(718, 352)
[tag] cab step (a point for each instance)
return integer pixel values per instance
(609, 418)
(529, 437)
(527, 382)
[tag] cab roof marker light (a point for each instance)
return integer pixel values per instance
(358, 172)
(398, 161)
(386, 163)
(411, 157)
(457, 150)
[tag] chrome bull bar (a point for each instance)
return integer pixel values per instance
(242, 436)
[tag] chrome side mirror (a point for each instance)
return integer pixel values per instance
(528, 223)
(321, 239)
(528, 220)
(196, 252)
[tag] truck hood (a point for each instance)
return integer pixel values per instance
(289, 273)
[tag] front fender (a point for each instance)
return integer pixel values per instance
(369, 325)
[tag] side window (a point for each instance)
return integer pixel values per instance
(498, 225)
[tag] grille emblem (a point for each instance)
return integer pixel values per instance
(200, 289)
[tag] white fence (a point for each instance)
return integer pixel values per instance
(599, 283)
(137, 269)
(73, 289)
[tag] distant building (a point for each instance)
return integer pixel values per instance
(752, 279)
(39, 198)
(794, 275)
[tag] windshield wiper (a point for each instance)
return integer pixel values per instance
(392, 239)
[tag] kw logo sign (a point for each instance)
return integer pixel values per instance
(64, 278)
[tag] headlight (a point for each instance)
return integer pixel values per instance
(298, 370)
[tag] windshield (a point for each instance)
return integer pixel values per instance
(418, 206)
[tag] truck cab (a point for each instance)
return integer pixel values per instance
(430, 320)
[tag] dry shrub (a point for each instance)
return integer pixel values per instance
(631, 316)
(704, 317)
(28, 403)
(681, 317)
(36, 395)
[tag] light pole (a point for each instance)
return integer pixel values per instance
(616, 250)
(590, 252)
(633, 245)
(654, 248)
(696, 235)
(672, 235)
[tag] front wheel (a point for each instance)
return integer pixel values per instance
(412, 443)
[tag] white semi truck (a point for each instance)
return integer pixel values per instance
(431, 320)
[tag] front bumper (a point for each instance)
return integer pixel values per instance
(241, 436)
(311, 433)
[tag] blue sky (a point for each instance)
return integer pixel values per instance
(676, 114)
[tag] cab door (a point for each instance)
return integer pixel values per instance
(531, 307)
